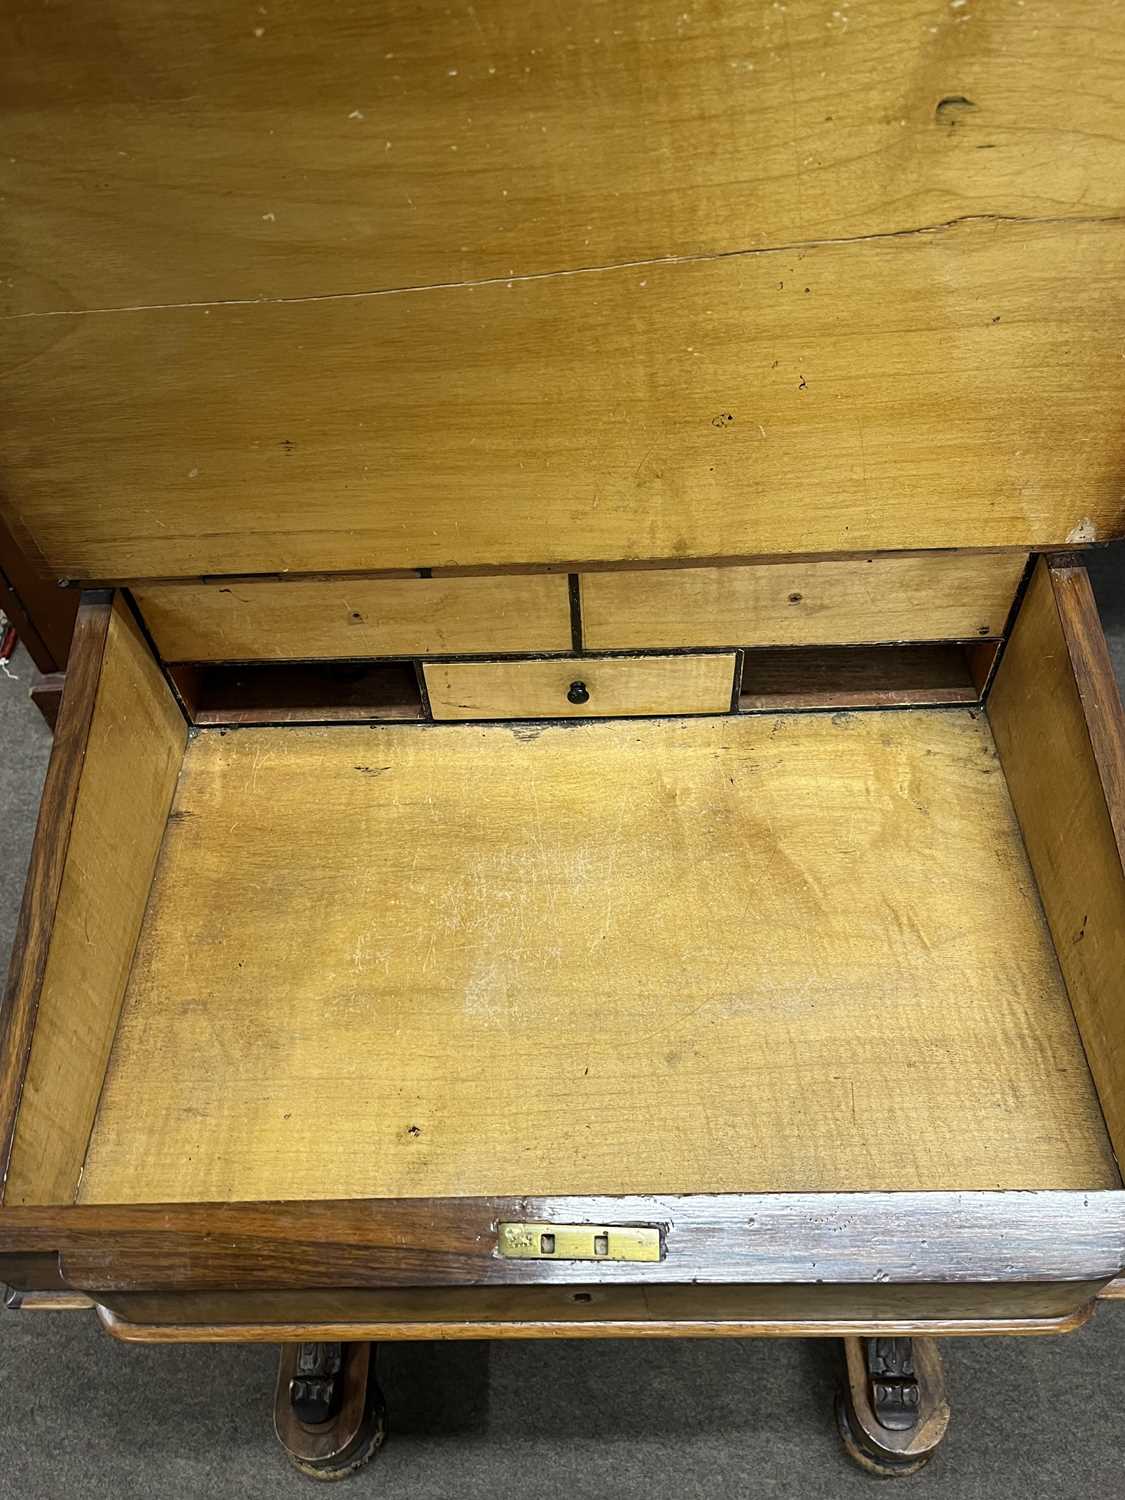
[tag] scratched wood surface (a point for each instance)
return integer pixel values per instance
(689, 955)
(270, 280)
(194, 152)
(925, 391)
(768, 1239)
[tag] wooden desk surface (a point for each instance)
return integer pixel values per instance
(770, 953)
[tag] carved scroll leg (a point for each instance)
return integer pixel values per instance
(891, 1408)
(329, 1413)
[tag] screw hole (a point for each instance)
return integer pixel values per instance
(581, 1297)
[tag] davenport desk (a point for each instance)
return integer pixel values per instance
(588, 797)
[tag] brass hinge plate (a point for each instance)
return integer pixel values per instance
(579, 1242)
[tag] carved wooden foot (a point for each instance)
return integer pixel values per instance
(891, 1408)
(329, 1413)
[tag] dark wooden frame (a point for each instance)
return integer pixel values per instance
(744, 1238)
(42, 612)
(416, 1321)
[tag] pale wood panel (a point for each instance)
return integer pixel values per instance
(621, 685)
(697, 955)
(32, 941)
(133, 756)
(251, 621)
(1055, 688)
(855, 600)
(927, 391)
(158, 152)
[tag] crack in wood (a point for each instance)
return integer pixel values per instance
(700, 257)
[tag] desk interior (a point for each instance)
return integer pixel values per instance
(767, 953)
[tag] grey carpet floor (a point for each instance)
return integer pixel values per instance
(82, 1416)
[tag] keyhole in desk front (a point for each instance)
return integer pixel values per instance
(578, 693)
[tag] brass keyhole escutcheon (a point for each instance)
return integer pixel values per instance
(540, 1241)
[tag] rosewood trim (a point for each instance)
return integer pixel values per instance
(128, 1332)
(777, 1238)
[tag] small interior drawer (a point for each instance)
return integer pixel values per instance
(590, 687)
(323, 1005)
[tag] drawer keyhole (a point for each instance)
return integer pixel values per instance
(578, 693)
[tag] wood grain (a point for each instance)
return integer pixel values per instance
(134, 749)
(858, 601)
(1060, 730)
(773, 1239)
(326, 618)
(617, 1328)
(566, 949)
(194, 152)
(45, 874)
(595, 1312)
(927, 391)
(700, 684)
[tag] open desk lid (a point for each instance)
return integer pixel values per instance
(298, 290)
